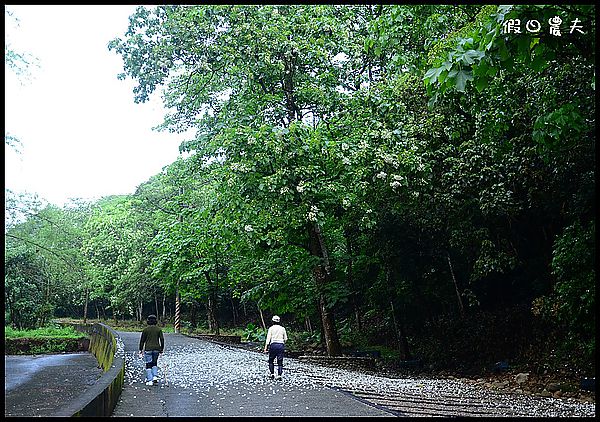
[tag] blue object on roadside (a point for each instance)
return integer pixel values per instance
(588, 384)
(501, 366)
(414, 363)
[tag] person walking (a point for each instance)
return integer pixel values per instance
(152, 344)
(275, 344)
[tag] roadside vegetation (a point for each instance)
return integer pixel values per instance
(49, 339)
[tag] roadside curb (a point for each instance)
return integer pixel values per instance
(102, 397)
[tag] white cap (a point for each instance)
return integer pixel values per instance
(275, 318)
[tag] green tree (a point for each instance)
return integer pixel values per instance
(261, 72)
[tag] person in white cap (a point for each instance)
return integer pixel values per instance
(275, 344)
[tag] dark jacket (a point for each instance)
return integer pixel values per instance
(152, 337)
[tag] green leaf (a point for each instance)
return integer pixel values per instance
(470, 56)
(433, 74)
(461, 79)
(481, 82)
(539, 63)
(432, 100)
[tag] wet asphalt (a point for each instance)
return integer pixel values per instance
(41, 385)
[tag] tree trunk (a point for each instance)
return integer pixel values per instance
(164, 307)
(322, 277)
(398, 326)
(308, 324)
(208, 315)
(233, 311)
(350, 277)
(331, 338)
(156, 304)
(460, 303)
(85, 306)
(262, 317)
(213, 324)
(288, 88)
(215, 316)
(216, 293)
(193, 321)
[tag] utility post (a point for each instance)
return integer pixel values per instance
(177, 296)
(177, 306)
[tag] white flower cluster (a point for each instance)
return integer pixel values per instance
(284, 190)
(241, 167)
(300, 187)
(391, 160)
(381, 175)
(312, 214)
(248, 228)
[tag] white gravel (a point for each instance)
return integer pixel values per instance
(207, 366)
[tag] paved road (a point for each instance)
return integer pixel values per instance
(206, 379)
(40, 385)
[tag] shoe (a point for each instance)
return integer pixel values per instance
(278, 378)
(155, 379)
(149, 383)
(272, 376)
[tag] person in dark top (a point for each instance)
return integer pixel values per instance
(152, 343)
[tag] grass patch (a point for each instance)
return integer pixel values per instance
(44, 332)
(51, 339)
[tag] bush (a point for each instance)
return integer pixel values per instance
(572, 304)
(254, 333)
(44, 332)
(43, 340)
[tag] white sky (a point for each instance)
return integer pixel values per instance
(82, 134)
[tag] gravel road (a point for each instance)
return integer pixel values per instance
(208, 379)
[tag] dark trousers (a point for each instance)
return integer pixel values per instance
(276, 351)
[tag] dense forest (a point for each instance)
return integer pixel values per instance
(367, 169)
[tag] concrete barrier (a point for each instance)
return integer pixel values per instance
(101, 398)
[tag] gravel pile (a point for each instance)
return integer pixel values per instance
(209, 366)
